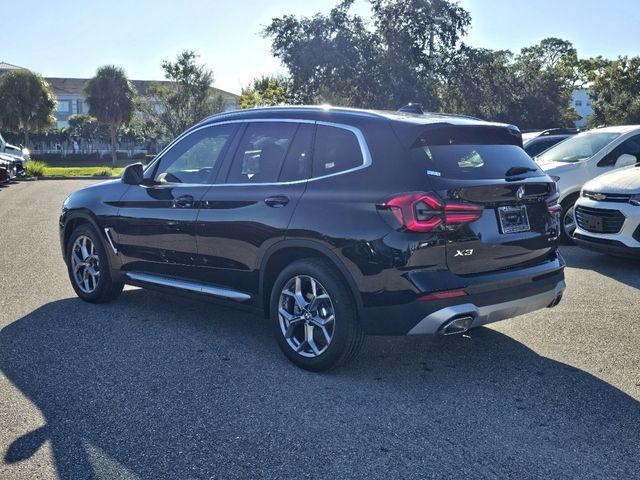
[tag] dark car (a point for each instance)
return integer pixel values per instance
(334, 223)
(538, 142)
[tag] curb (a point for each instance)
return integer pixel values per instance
(60, 177)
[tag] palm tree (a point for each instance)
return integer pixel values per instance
(111, 97)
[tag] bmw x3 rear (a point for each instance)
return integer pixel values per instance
(335, 223)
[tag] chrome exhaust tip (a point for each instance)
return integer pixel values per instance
(456, 325)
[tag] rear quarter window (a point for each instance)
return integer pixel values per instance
(466, 162)
(336, 150)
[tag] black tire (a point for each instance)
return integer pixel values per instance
(106, 289)
(347, 336)
(567, 205)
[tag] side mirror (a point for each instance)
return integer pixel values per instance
(626, 160)
(133, 174)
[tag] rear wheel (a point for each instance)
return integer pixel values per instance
(314, 317)
(88, 267)
(568, 220)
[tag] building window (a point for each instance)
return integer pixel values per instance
(64, 106)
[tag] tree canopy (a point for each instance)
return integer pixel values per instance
(189, 97)
(111, 99)
(615, 92)
(266, 91)
(411, 51)
(27, 103)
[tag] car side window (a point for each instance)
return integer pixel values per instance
(336, 150)
(297, 164)
(194, 159)
(631, 146)
(261, 152)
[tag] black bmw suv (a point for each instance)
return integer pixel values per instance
(334, 223)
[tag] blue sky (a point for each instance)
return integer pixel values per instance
(72, 38)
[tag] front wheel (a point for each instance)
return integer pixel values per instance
(314, 316)
(88, 267)
(568, 220)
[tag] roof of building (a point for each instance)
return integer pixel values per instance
(9, 66)
(75, 86)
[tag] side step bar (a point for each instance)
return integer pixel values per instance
(189, 286)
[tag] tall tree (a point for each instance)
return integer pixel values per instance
(111, 99)
(266, 91)
(383, 65)
(188, 96)
(615, 93)
(27, 103)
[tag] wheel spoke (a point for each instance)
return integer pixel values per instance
(325, 332)
(83, 248)
(314, 347)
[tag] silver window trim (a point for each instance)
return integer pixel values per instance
(364, 150)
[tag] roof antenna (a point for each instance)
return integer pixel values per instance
(412, 108)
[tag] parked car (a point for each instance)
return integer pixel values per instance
(334, 223)
(535, 143)
(608, 213)
(4, 172)
(20, 155)
(9, 163)
(583, 157)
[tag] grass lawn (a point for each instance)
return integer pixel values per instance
(82, 171)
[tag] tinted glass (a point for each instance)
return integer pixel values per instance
(261, 152)
(536, 148)
(336, 150)
(579, 147)
(194, 158)
(474, 161)
(297, 164)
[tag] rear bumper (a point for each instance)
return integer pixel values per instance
(489, 298)
(434, 322)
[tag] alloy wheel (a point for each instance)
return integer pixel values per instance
(85, 264)
(306, 316)
(569, 222)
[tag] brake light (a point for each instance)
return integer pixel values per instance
(552, 203)
(422, 212)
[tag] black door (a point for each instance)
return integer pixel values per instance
(250, 209)
(155, 230)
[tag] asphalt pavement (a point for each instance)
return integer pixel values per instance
(153, 386)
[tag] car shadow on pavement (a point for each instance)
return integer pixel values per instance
(621, 269)
(154, 387)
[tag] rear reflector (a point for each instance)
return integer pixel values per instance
(442, 295)
(552, 203)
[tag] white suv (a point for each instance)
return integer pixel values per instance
(608, 213)
(585, 156)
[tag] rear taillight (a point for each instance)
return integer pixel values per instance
(552, 203)
(422, 212)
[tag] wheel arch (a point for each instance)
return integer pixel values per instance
(76, 218)
(287, 251)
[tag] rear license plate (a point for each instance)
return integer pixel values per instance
(591, 222)
(514, 219)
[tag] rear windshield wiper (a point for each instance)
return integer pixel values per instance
(513, 171)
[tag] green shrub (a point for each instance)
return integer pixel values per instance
(35, 169)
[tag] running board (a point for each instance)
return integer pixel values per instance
(189, 286)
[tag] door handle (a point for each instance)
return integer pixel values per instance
(276, 201)
(183, 201)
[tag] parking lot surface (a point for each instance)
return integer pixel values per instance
(155, 387)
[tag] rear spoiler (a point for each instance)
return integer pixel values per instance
(441, 133)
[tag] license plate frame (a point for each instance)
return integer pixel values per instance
(514, 225)
(592, 223)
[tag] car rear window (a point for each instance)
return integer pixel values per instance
(477, 161)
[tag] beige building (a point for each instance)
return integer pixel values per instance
(69, 93)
